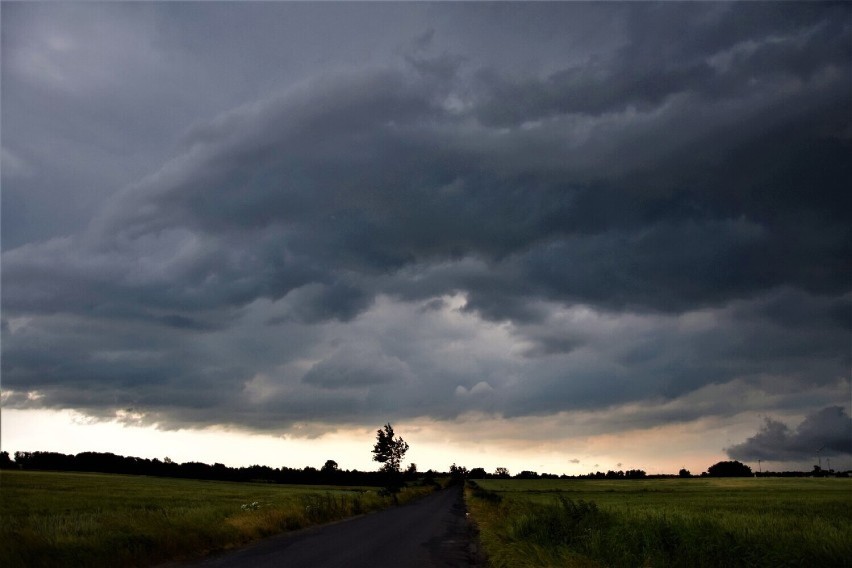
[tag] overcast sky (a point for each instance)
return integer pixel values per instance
(588, 229)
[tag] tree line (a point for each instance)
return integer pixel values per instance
(389, 451)
(105, 462)
(391, 475)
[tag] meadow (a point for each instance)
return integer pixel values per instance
(86, 519)
(664, 522)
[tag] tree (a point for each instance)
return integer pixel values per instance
(458, 473)
(729, 469)
(477, 473)
(411, 471)
(684, 473)
(501, 472)
(389, 451)
(527, 474)
(329, 467)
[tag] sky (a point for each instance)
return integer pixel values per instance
(562, 237)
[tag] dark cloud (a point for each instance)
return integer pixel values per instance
(357, 369)
(690, 55)
(428, 229)
(827, 432)
(314, 303)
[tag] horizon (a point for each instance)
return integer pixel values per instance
(376, 468)
(574, 236)
(248, 448)
(471, 473)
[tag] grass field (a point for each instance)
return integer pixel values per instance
(80, 519)
(666, 522)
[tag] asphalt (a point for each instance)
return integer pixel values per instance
(431, 532)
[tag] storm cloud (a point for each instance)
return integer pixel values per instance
(827, 432)
(430, 224)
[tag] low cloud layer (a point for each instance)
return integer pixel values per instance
(826, 433)
(433, 231)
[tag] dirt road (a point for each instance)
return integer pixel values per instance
(430, 533)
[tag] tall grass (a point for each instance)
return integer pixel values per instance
(70, 519)
(706, 524)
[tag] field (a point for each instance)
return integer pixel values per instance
(666, 522)
(80, 519)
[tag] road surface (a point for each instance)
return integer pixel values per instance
(428, 533)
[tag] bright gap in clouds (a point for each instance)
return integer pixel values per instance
(67, 431)
(476, 442)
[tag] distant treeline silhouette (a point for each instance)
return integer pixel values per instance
(111, 463)
(330, 474)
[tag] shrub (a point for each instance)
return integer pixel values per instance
(729, 469)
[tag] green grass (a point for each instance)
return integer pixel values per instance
(84, 519)
(667, 522)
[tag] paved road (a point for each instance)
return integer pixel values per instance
(431, 532)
